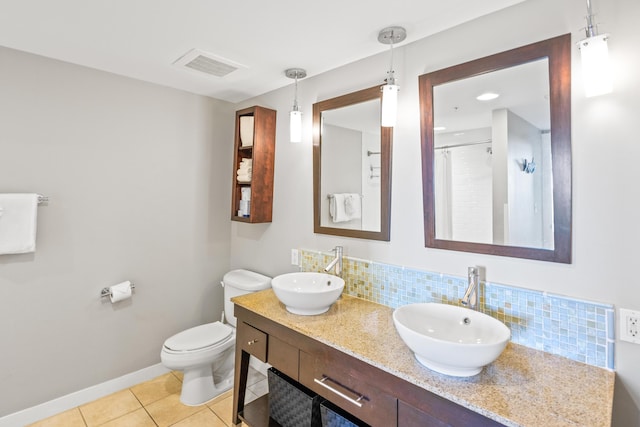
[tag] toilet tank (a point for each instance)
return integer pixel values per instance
(241, 282)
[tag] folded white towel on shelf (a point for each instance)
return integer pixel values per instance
(246, 130)
(244, 178)
(18, 220)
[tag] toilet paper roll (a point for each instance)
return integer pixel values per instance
(120, 292)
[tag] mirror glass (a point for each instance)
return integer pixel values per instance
(492, 168)
(351, 166)
(496, 154)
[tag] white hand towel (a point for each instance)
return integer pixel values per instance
(353, 205)
(337, 208)
(244, 178)
(246, 130)
(18, 219)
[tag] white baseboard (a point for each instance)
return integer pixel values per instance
(64, 403)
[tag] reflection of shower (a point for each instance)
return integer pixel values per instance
(466, 144)
(463, 186)
(528, 166)
(442, 184)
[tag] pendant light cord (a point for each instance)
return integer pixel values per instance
(295, 94)
(591, 29)
(391, 78)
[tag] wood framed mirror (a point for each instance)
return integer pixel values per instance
(351, 167)
(496, 173)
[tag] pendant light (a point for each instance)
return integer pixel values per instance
(390, 36)
(594, 52)
(295, 117)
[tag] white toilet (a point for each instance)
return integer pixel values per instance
(206, 353)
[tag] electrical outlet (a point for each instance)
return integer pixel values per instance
(629, 325)
(294, 257)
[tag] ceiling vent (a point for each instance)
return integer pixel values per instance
(207, 63)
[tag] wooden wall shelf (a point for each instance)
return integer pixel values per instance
(261, 151)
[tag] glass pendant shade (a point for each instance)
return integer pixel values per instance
(295, 126)
(295, 117)
(596, 70)
(389, 105)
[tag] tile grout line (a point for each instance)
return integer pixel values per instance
(82, 416)
(143, 407)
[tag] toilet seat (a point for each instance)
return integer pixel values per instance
(199, 338)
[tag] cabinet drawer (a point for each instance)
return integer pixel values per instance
(332, 380)
(283, 356)
(252, 340)
(439, 412)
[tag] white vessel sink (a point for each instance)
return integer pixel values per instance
(307, 293)
(451, 340)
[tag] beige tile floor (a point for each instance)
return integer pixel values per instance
(155, 403)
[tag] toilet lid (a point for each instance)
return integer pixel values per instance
(199, 337)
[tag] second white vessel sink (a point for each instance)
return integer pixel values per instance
(451, 340)
(307, 293)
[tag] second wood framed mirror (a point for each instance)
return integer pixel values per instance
(351, 167)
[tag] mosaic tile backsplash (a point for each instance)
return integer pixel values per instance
(577, 329)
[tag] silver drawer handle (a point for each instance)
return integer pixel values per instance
(339, 393)
(252, 342)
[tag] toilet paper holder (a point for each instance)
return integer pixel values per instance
(106, 292)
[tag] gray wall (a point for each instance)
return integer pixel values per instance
(138, 181)
(605, 153)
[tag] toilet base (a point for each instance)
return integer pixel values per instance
(198, 387)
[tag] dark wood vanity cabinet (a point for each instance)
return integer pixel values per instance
(363, 390)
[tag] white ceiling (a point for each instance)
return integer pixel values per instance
(142, 38)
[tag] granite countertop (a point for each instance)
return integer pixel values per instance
(523, 387)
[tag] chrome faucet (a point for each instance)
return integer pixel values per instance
(336, 262)
(470, 298)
